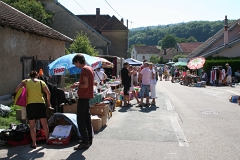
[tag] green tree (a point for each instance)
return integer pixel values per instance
(175, 58)
(81, 44)
(168, 41)
(33, 9)
(191, 39)
(154, 59)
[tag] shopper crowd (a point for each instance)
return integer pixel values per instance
(145, 77)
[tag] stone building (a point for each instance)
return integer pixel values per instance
(23, 41)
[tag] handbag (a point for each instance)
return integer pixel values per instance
(49, 110)
(21, 96)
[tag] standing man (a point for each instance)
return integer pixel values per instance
(85, 92)
(145, 77)
(172, 71)
(126, 82)
(229, 74)
(160, 71)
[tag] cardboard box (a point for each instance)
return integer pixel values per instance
(70, 108)
(96, 124)
(104, 120)
(63, 141)
(21, 114)
(18, 114)
(101, 110)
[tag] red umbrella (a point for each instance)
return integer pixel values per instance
(105, 63)
(196, 63)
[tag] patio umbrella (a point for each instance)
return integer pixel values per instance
(171, 63)
(105, 63)
(133, 62)
(180, 64)
(64, 63)
(196, 63)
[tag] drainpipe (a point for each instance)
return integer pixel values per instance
(107, 47)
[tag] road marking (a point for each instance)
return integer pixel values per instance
(169, 105)
(233, 92)
(182, 140)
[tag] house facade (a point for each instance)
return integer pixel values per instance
(23, 41)
(67, 23)
(141, 53)
(224, 43)
(112, 29)
(107, 34)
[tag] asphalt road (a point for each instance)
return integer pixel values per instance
(187, 123)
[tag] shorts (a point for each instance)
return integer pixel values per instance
(229, 79)
(126, 89)
(36, 111)
(145, 90)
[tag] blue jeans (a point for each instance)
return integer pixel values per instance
(145, 90)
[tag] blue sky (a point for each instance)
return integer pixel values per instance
(157, 12)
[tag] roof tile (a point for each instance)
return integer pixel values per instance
(12, 18)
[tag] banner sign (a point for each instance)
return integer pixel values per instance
(59, 69)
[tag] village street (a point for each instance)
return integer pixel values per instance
(186, 123)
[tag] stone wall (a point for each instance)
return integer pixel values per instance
(16, 44)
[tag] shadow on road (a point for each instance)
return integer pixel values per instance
(76, 155)
(124, 109)
(148, 109)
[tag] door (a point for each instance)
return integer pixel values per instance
(27, 63)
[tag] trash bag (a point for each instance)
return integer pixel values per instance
(4, 110)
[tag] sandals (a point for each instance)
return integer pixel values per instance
(139, 105)
(81, 146)
(147, 104)
(33, 147)
(153, 103)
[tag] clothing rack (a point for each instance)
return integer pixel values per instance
(217, 75)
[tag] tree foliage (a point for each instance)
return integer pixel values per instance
(175, 58)
(33, 9)
(200, 30)
(169, 41)
(81, 44)
(154, 59)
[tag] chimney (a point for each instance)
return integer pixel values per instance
(122, 21)
(226, 31)
(165, 51)
(98, 19)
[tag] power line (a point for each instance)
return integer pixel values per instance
(120, 15)
(80, 6)
(112, 8)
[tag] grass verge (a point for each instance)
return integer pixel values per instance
(10, 118)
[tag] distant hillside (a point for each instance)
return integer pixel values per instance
(201, 30)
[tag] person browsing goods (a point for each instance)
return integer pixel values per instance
(85, 92)
(36, 107)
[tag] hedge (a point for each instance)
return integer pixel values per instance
(233, 63)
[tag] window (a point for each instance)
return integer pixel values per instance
(143, 57)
